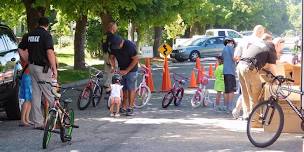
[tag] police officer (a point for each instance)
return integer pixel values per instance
(42, 67)
(252, 60)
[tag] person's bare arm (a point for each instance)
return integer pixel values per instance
(272, 68)
(133, 63)
(52, 59)
(112, 61)
(23, 55)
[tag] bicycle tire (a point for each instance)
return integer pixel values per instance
(66, 128)
(167, 99)
(47, 129)
(96, 96)
(179, 96)
(196, 99)
(84, 98)
(254, 133)
(142, 97)
(204, 96)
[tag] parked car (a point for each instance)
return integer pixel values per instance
(8, 73)
(226, 33)
(200, 47)
(246, 33)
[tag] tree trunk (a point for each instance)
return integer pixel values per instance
(157, 40)
(79, 43)
(187, 33)
(33, 14)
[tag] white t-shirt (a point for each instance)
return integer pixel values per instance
(243, 45)
(115, 90)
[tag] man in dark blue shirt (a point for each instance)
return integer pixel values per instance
(126, 55)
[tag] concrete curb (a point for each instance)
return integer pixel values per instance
(76, 84)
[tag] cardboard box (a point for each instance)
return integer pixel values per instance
(296, 74)
(292, 123)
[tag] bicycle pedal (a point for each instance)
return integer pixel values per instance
(68, 138)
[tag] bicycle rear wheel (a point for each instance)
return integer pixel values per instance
(84, 98)
(48, 129)
(265, 123)
(67, 126)
(142, 97)
(179, 96)
(167, 99)
(96, 97)
(196, 99)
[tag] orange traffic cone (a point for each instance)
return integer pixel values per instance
(198, 63)
(192, 83)
(203, 71)
(166, 85)
(210, 71)
(149, 79)
(199, 76)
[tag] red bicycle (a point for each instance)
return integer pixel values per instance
(92, 92)
(176, 93)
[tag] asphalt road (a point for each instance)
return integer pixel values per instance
(152, 129)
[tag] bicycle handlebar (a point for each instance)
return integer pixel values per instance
(54, 91)
(281, 79)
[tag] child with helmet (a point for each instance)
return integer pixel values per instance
(116, 95)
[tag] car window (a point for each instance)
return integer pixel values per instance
(233, 34)
(7, 36)
(221, 33)
(198, 42)
(2, 45)
(219, 40)
(210, 33)
(211, 41)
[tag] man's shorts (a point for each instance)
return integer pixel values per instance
(230, 83)
(129, 81)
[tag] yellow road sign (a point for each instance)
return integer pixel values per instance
(165, 49)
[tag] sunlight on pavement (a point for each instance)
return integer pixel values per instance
(231, 125)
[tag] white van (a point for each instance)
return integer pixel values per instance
(225, 32)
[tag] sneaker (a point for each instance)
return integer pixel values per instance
(129, 112)
(122, 111)
(117, 115)
(112, 114)
(235, 113)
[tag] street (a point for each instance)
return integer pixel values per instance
(152, 129)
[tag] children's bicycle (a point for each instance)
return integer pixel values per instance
(59, 117)
(143, 92)
(201, 95)
(92, 92)
(266, 121)
(176, 93)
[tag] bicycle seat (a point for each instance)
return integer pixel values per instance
(69, 100)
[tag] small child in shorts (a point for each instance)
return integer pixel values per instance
(116, 95)
(219, 84)
(25, 94)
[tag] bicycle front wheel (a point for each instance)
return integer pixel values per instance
(142, 97)
(265, 124)
(167, 99)
(51, 121)
(84, 98)
(196, 99)
(179, 97)
(67, 126)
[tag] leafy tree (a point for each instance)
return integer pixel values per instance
(94, 38)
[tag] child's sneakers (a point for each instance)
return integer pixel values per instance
(117, 115)
(235, 113)
(112, 114)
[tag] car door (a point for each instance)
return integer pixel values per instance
(208, 47)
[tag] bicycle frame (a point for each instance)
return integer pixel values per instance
(144, 76)
(178, 83)
(298, 111)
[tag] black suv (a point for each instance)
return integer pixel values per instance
(8, 73)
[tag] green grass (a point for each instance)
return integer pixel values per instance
(66, 73)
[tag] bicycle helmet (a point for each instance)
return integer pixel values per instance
(116, 78)
(228, 39)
